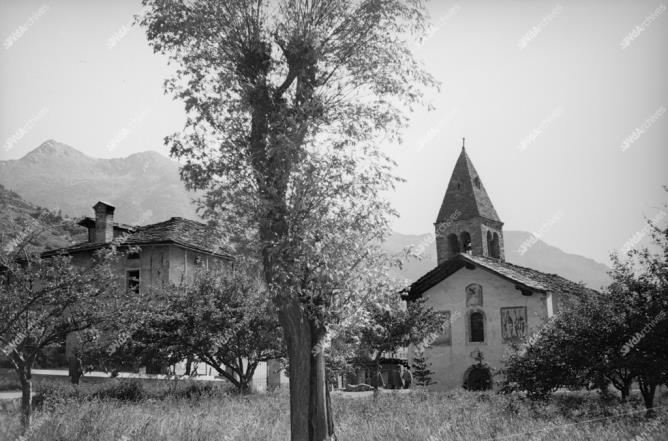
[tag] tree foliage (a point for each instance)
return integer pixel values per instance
(421, 369)
(286, 103)
(43, 300)
(224, 318)
(624, 330)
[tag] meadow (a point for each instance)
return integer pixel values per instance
(125, 410)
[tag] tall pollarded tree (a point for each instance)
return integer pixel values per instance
(286, 103)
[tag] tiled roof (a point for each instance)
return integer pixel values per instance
(525, 278)
(465, 196)
(184, 232)
(89, 222)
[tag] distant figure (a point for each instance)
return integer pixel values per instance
(75, 368)
(378, 380)
(407, 376)
(394, 379)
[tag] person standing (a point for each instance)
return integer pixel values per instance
(76, 370)
(407, 376)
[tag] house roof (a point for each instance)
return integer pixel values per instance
(466, 197)
(89, 222)
(179, 231)
(524, 278)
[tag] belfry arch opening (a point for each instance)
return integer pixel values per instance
(453, 244)
(496, 249)
(466, 241)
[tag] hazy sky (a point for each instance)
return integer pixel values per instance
(562, 105)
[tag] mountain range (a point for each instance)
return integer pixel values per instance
(145, 188)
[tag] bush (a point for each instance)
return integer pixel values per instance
(132, 390)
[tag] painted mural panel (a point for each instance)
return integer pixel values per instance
(474, 295)
(513, 323)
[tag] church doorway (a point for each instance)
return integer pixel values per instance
(478, 377)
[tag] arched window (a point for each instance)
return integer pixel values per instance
(490, 247)
(454, 243)
(496, 250)
(476, 181)
(477, 327)
(466, 241)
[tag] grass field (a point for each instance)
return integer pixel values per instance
(124, 412)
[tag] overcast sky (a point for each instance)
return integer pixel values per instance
(562, 105)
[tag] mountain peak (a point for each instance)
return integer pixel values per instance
(52, 147)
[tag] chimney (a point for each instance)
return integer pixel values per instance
(104, 222)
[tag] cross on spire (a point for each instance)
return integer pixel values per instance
(463, 143)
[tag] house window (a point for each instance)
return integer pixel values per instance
(133, 256)
(477, 327)
(133, 281)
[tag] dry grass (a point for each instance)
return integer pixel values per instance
(416, 416)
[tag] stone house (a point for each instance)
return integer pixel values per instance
(169, 253)
(488, 302)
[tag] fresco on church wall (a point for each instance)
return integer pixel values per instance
(513, 323)
(445, 337)
(473, 295)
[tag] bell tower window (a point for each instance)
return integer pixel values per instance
(453, 243)
(466, 241)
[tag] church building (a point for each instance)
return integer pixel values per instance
(488, 302)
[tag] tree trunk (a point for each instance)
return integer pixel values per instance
(648, 389)
(308, 401)
(318, 412)
(25, 378)
(626, 389)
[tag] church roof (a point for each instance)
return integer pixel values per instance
(524, 278)
(466, 194)
(179, 231)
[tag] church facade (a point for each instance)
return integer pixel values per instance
(488, 303)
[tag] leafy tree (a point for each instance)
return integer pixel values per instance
(43, 300)
(223, 318)
(624, 330)
(286, 101)
(391, 326)
(383, 326)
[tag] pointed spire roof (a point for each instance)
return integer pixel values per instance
(466, 193)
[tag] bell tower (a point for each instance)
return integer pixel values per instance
(467, 221)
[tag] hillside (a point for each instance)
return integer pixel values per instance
(145, 187)
(43, 229)
(540, 256)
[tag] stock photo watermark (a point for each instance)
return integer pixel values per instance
(638, 236)
(638, 132)
(123, 31)
(538, 28)
(440, 231)
(438, 25)
(544, 124)
(126, 131)
(22, 335)
(23, 28)
(23, 131)
(639, 29)
(533, 239)
(638, 336)
(435, 129)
